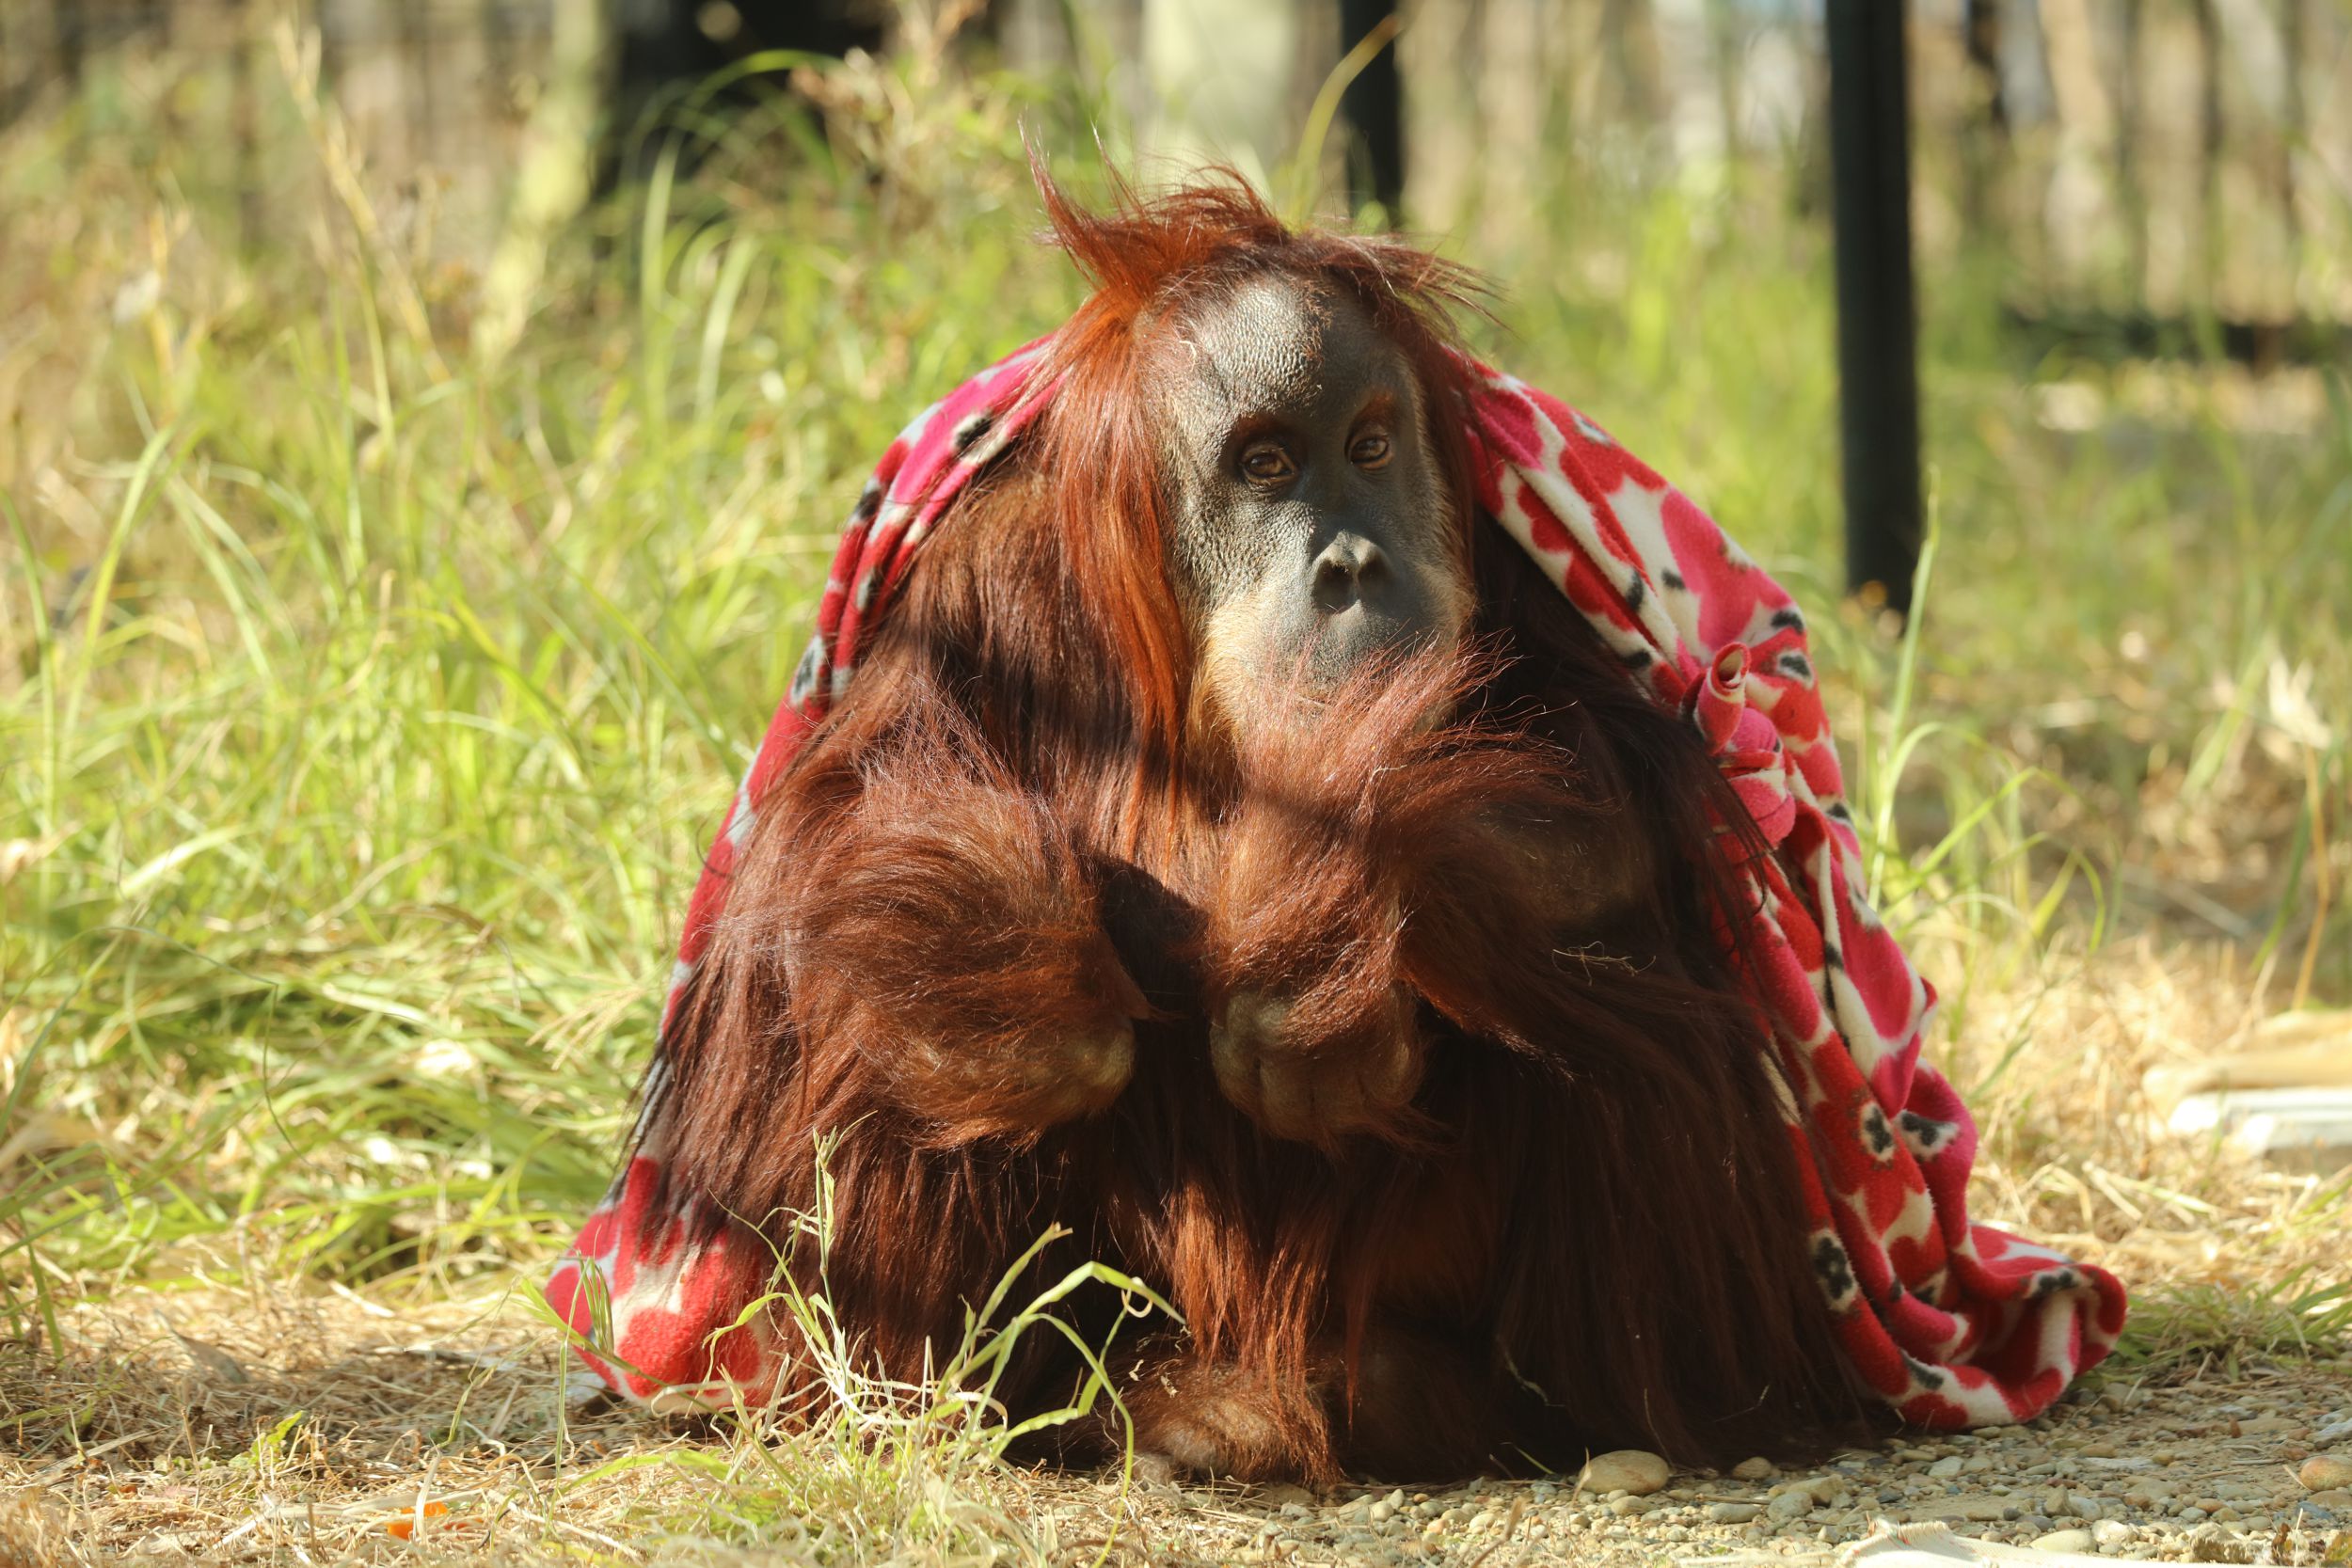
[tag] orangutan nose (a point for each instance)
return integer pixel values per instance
(1350, 569)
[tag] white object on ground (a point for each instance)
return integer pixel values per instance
(2310, 1126)
(1907, 1546)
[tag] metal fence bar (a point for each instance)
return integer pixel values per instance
(1878, 376)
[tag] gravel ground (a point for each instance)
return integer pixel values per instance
(171, 1401)
(2212, 1471)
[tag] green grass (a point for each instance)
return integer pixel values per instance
(366, 749)
(368, 694)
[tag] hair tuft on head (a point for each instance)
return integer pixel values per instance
(1144, 253)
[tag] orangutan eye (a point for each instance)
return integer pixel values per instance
(1370, 452)
(1268, 463)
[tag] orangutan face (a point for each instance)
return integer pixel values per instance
(1310, 528)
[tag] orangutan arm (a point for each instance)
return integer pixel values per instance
(946, 932)
(1379, 866)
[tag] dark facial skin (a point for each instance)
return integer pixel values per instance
(1309, 526)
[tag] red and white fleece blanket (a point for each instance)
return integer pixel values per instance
(1953, 1324)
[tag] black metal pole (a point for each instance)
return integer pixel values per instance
(1980, 31)
(1877, 362)
(1374, 106)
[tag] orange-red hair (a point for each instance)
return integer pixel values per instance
(1590, 1196)
(1155, 263)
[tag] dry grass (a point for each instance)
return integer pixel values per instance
(2228, 1257)
(288, 1419)
(291, 1422)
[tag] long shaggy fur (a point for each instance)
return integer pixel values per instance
(991, 918)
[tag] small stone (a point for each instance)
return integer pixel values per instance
(2335, 1432)
(2112, 1532)
(2212, 1544)
(1758, 1468)
(1382, 1511)
(2325, 1472)
(1627, 1507)
(1795, 1503)
(1947, 1467)
(2088, 1508)
(1731, 1513)
(1629, 1471)
(1978, 1507)
(2063, 1541)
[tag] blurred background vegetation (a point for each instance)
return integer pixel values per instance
(424, 427)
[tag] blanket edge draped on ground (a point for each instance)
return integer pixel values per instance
(1952, 1323)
